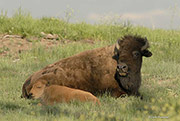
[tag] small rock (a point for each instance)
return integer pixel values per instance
(49, 36)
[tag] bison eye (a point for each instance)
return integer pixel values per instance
(136, 54)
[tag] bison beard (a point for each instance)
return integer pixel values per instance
(127, 85)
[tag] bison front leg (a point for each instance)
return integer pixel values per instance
(118, 93)
(137, 94)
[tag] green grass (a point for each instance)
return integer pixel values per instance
(23, 24)
(160, 73)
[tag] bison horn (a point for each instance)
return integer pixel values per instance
(117, 47)
(146, 45)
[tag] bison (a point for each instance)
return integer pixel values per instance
(115, 69)
(52, 94)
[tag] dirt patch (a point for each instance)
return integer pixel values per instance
(14, 44)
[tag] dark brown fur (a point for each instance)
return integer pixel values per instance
(94, 70)
(131, 53)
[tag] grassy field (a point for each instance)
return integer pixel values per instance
(160, 73)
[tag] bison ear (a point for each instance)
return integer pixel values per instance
(146, 53)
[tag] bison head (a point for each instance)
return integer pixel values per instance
(128, 53)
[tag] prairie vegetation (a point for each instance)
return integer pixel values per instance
(160, 73)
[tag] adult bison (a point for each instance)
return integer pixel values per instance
(95, 70)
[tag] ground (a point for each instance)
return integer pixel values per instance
(20, 57)
(14, 44)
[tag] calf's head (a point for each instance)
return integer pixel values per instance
(128, 53)
(37, 89)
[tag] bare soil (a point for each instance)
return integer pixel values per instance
(14, 44)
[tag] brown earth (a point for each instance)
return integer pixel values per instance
(15, 44)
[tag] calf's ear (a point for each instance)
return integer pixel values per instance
(45, 82)
(146, 53)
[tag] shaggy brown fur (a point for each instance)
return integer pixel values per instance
(94, 70)
(50, 95)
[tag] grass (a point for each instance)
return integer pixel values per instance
(160, 73)
(23, 24)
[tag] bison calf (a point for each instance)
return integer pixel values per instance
(50, 95)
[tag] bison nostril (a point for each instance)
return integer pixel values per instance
(124, 67)
(121, 67)
(118, 66)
